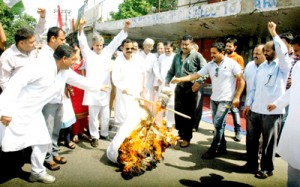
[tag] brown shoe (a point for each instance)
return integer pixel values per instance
(53, 166)
(184, 143)
(60, 159)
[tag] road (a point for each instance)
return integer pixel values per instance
(89, 166)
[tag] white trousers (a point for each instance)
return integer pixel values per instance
(37, 159)
(98, 114)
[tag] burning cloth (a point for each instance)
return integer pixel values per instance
(140, 142)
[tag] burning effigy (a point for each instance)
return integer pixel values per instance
(142, 139)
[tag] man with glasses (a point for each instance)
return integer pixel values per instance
(97, 63)
(224, 72)
(186, 62)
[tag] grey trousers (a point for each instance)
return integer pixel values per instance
(53, 114)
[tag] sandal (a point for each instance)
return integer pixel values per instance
(75, 139)
(60, 159)
(53, 166)
(70, 145)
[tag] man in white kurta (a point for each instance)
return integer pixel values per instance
(164, 62)
(151, 68)
(127, 76)
(288, 146)
(97, 63)
(22, 122)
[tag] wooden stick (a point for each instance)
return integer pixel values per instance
(171, 110)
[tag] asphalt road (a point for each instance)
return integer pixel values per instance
(89, 166)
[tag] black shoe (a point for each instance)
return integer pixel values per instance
(263, 174)
(221, 151)
(247, 169)
(210, 154)
(95, 142)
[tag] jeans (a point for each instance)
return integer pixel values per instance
(53, 114)
(236, 119)
(267, 126)
(219, 112)
(293, 177)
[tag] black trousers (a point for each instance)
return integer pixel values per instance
(185, 102)
(267, 126)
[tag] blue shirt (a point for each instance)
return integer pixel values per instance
(270, 81)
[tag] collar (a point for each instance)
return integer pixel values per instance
(17, 52)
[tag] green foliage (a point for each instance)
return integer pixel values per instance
(134, 8)
(12, 22)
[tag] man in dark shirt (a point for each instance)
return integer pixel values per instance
(186, 62)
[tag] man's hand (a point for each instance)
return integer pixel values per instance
(5, 120)
(175, 80)
(125, 91)
(42, 12)
(105, 88)
(235, 102)
(82, 22)
(127, 25)
(196, 86)
(246, 110)
(271, 107)
(272, 28)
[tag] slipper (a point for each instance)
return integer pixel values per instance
(60, 159)
(70, 145)
(53, 166)
(75, 139)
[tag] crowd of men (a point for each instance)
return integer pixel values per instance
(37, 86)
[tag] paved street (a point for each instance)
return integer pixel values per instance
(88, 166)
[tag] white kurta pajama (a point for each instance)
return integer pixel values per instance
(23, 99)
(126, 75)
(288, 146)
(165, 63)
(98, 69)
(151, 74)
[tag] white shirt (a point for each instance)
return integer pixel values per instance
(223, 85)
(12, 60)
(249, 74)
(98, 67)
(270, 81)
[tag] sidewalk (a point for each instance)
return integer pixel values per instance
(88, 166)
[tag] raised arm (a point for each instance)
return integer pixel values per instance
(284, 61)
(41, 25)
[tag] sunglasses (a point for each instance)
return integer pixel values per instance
(217, 72)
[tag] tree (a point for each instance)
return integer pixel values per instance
(12, 21)
(134, 8)
(165, 5)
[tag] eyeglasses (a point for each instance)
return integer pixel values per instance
(127, 49)
(217, 72)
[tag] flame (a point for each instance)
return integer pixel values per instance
(143, 149)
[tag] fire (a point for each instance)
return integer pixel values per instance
(143, 149)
